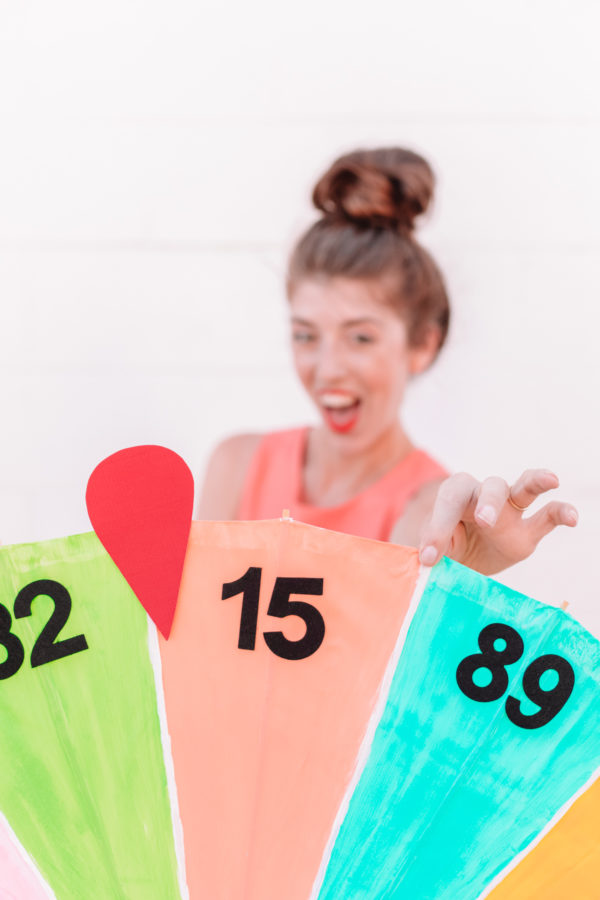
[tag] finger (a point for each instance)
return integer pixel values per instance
(531, 484)
(492, 498)
(455, 496)
(548, 517)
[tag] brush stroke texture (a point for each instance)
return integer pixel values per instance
(453, 790)
(19, 879)
(566, 862)
(82, 779)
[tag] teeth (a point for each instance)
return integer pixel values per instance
(337, 401)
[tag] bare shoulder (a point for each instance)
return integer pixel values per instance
(407, 530)
(225, 475)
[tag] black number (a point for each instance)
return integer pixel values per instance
(492, 659)
(551, 701)
(249, 586)
(14, 648)
(281, 606)
(46, 649)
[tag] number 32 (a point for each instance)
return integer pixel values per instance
(46, 648)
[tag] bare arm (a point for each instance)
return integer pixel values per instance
(224, 477)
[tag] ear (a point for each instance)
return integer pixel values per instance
(421, 355)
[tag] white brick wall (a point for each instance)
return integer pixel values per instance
(155, 166)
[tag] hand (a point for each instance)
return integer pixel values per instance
(474, 522)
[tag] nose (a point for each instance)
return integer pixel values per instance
(331, 363)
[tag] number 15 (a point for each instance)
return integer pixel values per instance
(280, 606)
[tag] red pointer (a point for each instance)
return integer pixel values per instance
(140, 503)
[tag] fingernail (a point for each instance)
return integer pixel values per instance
(488, 515)
(572, 517)
(428, 555)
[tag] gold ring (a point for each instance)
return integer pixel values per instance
(514, 505)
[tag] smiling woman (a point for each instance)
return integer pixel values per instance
(369, 311)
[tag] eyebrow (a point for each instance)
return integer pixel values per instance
(350, 323)
(365, 320)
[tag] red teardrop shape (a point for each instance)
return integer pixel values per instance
(140, 503)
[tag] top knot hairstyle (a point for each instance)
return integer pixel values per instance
(370, 200)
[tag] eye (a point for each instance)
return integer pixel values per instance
(303, 337)
(361, 338)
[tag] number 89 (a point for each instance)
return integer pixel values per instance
(550, 701)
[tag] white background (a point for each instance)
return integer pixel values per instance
(156, 161)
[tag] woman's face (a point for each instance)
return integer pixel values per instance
(352, 355)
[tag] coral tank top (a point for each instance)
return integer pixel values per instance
(274, 483)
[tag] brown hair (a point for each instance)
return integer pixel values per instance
(370, 200)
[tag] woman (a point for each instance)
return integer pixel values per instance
(369, 311)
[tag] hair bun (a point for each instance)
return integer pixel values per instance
(387, 188)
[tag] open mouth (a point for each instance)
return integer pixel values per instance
(340, 410)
